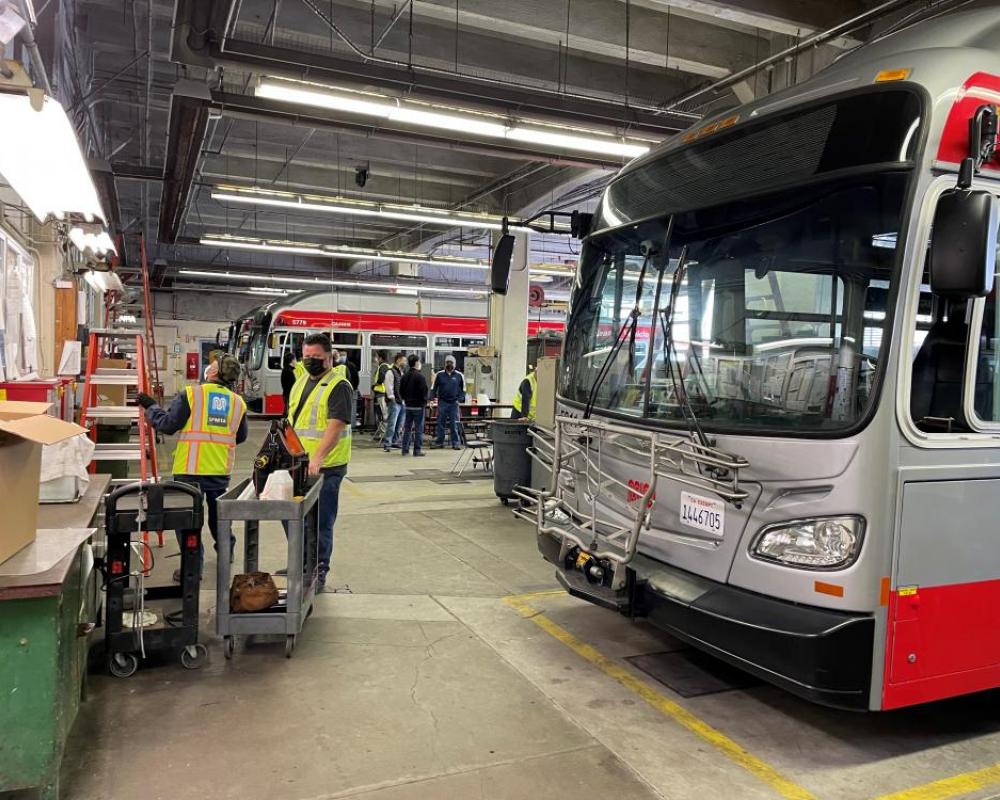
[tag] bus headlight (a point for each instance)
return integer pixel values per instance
(825, 543)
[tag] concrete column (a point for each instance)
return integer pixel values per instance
(509, 323)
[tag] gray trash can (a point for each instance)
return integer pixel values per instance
(511, 462)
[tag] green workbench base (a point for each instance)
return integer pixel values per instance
(42, 667)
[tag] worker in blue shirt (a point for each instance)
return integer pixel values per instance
(449, 391)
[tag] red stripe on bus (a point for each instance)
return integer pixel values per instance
(943, 641)
(398, 322)
(980, 89)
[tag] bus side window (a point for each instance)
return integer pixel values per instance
(986, 382)
(275, 347)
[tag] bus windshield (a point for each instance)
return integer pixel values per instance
(778, 321)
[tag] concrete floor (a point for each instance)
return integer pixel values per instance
(417, 680)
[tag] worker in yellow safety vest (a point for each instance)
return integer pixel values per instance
(211, 419)
(526, 398)
(378, 392)
(320, 410)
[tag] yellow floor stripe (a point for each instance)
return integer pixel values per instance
(663, 704)
(956, 786)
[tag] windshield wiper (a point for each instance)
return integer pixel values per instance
(628, 327)
(671, 359)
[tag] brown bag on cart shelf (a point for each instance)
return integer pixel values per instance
(252, 592)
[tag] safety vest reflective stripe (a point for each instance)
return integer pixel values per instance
(299, 369)
(216, 438)
(207, 446)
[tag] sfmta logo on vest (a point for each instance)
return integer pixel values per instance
(218, 408)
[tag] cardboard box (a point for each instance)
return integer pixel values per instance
(24, 428)
(111, 394)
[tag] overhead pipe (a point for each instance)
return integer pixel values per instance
(846, 27)
(28, 37)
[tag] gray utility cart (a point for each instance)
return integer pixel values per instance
(301, 518)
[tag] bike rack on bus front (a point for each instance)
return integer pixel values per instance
(602, 548)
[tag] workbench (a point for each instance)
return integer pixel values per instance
(47, 593)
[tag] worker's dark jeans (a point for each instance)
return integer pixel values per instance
(448, 416)
(212, 487)
(415, 423)
(329, 505)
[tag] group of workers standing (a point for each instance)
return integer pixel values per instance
(319, 391)
(401, 394)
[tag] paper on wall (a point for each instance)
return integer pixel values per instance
(71, 360)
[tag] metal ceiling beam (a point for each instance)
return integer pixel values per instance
(772, 16)
(185, 134)
(205, 49)
(136, 172)
(489, 17)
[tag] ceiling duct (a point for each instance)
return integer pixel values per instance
(189, 111)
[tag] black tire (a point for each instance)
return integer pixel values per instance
(505, 501)
(197, 660)
(123, 665)
(289, 645)
(228, 646)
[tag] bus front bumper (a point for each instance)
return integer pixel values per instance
(822, 655)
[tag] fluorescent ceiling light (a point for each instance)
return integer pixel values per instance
(318, 283)
(97, 243)
(340, 251)
(591, 144)
(364, 208)
(560, 273)
(41, 160)
(273, 290)
(256, 244)
(452, 122)
(103, 281)
(454, 119)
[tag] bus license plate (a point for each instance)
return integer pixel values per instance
(704, 513)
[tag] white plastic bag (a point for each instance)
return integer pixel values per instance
(279, 486)
(68, 457)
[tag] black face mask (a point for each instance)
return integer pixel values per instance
(314, 366)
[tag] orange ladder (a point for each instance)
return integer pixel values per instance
(107, 341)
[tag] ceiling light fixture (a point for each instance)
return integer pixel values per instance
(41, 158)
(364, 208)
(97, 243)
(340, 251)
(457, 120)
(317, 283)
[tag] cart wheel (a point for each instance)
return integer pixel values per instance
(123, 665)
(289, 645)
(505, 501)
(194, 656)
(228, 645)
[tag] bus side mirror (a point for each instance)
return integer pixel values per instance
(963, 247)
